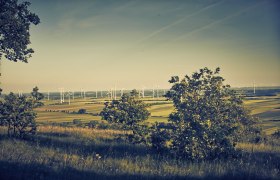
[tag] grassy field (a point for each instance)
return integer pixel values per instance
(71, 152)
(266, 108)
(80, 153)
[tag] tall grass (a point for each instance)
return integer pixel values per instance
(80, 153)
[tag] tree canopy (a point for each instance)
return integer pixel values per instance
(129, 110)
(16, 113)
(209, 116)
(15, 21)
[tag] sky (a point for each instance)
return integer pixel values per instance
(99, 44)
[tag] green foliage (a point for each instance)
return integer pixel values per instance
(15, 20)
(17, 114)
(37, 96)
(77, 121)
(208, 120)
(93, 124)
(129, 110)
(82, 111)
(276, 134)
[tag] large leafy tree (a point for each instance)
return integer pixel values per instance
(209, 116)
(15, 21)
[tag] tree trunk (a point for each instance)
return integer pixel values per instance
(0, 77)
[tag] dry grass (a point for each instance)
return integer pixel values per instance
(80, 132)
(80, 153)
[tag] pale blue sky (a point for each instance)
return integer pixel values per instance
(97, 44)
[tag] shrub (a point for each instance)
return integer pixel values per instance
(93, 124)
(82, 111)
(18, 115)
(128, 112)
(208, 120)
(276, 134)
(77, 121)
(103, 125)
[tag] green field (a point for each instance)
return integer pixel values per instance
(64, 150)
(265, 108)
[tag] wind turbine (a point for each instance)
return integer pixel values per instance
(157, 91)
(122, 91)
(115, 97)
(81, 93)
(143, 92)
(69, 97)
(62, 94)
(19, 93)
(254, 87)
(61, 99)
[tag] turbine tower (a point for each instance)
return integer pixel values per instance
(157, 91)
(69, 97)
(81, 93)
(61, 96)
(122, 91)
(115, 93)
(254, 87)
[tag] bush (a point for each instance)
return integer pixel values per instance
(208, 120)
(82, 111)
(17, 115)
(93, 124)
(276, 134)
(103, 125)
(128, 112)
(77, 121)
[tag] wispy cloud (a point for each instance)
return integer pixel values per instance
(179, 21)
(188, 34)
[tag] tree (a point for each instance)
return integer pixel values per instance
(209, 117)
(17, 114)
(37, 96)
(15, 20)
(129, 112)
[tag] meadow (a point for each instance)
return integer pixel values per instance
(64, 150)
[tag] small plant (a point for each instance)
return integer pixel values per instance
(77, 121)
(276, 134)
(93, 124)
(103, 125)
(82, 111)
